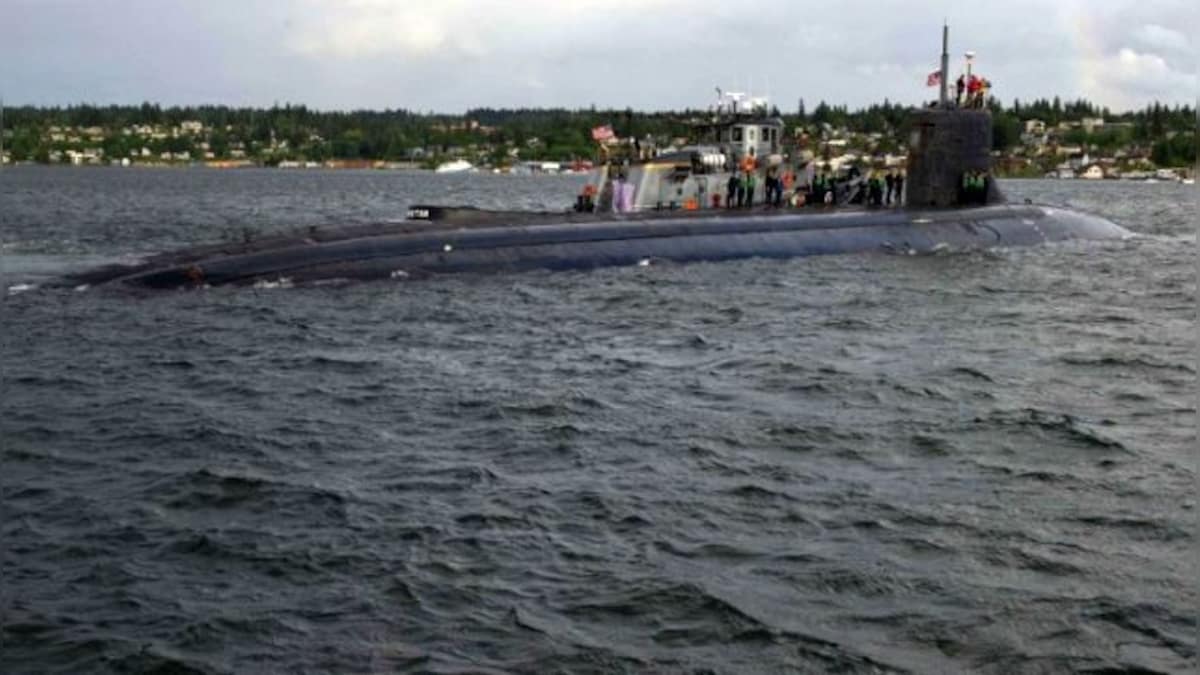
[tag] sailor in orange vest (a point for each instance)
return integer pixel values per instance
(749, 164)
(587, 200)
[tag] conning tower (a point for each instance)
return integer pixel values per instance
(946, 142)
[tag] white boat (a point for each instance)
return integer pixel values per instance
(457, 166)
(1189, 181)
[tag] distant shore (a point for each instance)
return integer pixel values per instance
(1072, 139)
(1179, 175)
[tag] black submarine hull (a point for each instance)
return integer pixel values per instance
(569, 245)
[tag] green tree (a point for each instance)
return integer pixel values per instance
(1006, 130)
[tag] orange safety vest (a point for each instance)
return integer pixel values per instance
(748, 164)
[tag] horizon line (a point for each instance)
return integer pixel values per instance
(588, 108)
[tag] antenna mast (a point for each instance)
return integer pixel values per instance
(944, 97)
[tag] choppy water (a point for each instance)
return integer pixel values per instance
(853, 464)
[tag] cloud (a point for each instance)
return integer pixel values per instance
(876, 69)
(1157, 37)
(365, 29)
(447, 29)
(1149, 73)
(450, 55)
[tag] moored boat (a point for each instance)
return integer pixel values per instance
(456, 166)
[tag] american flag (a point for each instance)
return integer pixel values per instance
(603, 133)
(934, 79)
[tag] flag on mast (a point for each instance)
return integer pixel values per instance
(603, 133)
(934, 79)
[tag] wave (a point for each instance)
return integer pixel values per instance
(1062, 424)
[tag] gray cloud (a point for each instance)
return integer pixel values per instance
(449, 55)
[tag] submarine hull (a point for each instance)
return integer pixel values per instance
(629, 241)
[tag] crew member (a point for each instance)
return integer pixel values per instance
(974, 86)
(772, 186)
(731, 190)
(587, 202)
(749, 165)
(890, 179)
(899, 188)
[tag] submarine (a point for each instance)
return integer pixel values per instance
(665, 207)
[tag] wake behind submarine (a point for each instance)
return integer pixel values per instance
(658, 208)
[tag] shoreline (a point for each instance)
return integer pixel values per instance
(396, 168)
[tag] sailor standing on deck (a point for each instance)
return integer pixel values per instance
(772, 186)
(749, 164)
(974, 92)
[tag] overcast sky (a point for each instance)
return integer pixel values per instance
(450, 55)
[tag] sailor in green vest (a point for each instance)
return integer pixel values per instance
(750, 185)
(974, 187)
(875, 190)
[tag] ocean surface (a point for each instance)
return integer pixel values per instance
(980, 462)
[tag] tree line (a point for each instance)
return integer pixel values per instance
(551, 133)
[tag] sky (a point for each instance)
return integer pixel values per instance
(453, 55)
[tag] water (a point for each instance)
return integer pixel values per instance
(860, 464)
